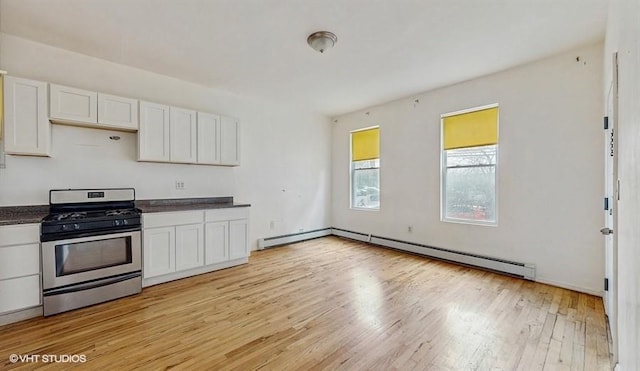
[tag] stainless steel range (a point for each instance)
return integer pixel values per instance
(91, 248)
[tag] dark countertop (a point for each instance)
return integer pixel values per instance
(23, 214)
(186, 204)
(34, 213)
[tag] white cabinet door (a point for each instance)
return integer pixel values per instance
(19, 267)
(238, 239)
(72, 104)
(229, 141)
(216, 237)
(20, 293)
(26, 125)
(117, 112)
(153, 135)
(19, 260)
(159, 251)
(208, 138)
(183, 135)
(189, 246)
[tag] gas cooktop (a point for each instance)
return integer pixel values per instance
(79, 213)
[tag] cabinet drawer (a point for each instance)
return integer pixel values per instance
(19, 293)
(171, 219)
(20, 234)
(19, 260)
(226, 214)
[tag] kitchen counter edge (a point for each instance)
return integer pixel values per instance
(33, 214)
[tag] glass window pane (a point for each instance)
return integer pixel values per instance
(485, 155)
(470, 193)
(366, 189)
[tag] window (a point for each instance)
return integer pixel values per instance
(469, 164)
(365, 169)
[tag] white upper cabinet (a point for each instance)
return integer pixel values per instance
(208, 138)
(26, 127)
(88, 108)
(183, 135)
(229, 141)
(71, 105)
(153, 134)
(117, 112)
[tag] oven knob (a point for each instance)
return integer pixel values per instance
(125, 221)
(66, 227)
(116, 223)
(76, 226)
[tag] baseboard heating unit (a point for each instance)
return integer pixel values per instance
(524, 270)
(527, 271)
(264, 243)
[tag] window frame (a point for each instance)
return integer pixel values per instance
(352, 172)
(443, 171)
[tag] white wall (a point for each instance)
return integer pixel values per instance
(550, 169)
(623, 36)
(285, 152)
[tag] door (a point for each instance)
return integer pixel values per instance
(117, 112)
(183, 135)
(208, 138)
(189, 246)
(159, 251)
(216, 242)
(76, 260)
(153, 134)
(229, 141)
(71, 104)
(611, 208)
(238, 239)
(26, 125)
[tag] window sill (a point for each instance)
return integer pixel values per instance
(470, 222)
(364, 209)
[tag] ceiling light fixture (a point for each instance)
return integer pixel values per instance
(322, 40)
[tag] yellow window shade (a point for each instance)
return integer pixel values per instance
(1, 105)
(477, 128)
(365, 144)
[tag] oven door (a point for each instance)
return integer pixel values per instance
(76, 260)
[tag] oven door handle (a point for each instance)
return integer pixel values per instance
(92, 284)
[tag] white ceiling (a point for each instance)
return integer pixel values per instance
(387, 49)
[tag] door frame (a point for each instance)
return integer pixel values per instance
(612, 194)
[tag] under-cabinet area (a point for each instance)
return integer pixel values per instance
(165, 133)
(185, 243)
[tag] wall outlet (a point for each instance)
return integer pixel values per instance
(409, 229)
(179, 185)
(272, 224)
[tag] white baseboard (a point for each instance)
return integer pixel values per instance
(291, 238)
(21, 315)
(617, 367)
(569, 286)
(146, 282)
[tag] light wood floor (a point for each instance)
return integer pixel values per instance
(329, 304)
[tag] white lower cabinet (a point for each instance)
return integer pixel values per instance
(159, 251)
(19, 267)
(217, 242)
(238, 238)
(189, 246)
(182, 244)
